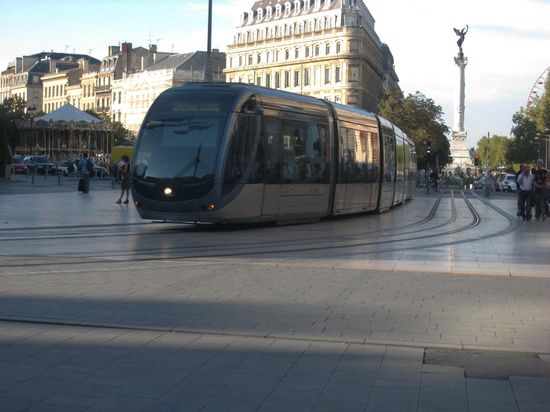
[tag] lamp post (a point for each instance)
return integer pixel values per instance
(208, 68)
(544, 137)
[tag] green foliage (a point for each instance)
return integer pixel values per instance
(422, 120)
(121, 135)
(542, 111)
(523, 147)
(493, 152)
(12, 110)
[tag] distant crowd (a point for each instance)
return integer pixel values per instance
(533, 188)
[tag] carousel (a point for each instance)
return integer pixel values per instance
(66, 133)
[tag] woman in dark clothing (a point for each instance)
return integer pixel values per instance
(125, 180)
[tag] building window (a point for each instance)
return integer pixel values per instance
(327, 49)
(316, 50)
(287, 78)
(296, 78)
(259, 81)
(296, 53)
(250, 60)
(338, 74)
(268, 80)
(287, 54)
(307, 77)
(259, 58)
(338, 47)
(240, 61)
(307, 51)
(277, 80)
(327, 75)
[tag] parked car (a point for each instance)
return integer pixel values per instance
(479, 183)
(508, 184)
(40, 164)
(66, 167)
(17, 165)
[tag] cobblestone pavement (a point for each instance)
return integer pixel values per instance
(432, 307)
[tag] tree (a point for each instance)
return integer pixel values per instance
(12, 110)
(121, 135)
(493, 152)
(542, 110)
(523, 147)
(422, 120)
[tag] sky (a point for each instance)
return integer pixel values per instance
(507, 44)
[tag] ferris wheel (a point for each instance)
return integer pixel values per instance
(538, 88)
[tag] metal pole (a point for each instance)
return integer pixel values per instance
(208, 68)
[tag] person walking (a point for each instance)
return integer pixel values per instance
(125, 176)
(522, 167)
(84, 166)
(525, 187)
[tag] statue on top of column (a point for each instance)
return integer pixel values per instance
(461, 34)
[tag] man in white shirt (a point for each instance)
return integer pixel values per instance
(525, 188)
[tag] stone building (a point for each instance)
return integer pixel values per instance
(122, 60)
(323, 48)
(23, 77)
(134, 93)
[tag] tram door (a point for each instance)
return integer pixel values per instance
(296, 167)
(388, 166)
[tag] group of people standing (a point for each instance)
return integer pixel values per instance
(85, 166)
(533, 190)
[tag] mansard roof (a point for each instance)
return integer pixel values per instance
(176, 61)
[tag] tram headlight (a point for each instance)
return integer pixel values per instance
(211, 206)
(168, 191)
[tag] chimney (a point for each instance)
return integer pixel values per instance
(84, 65)
(53, 66)
(114, 50)
(126, 47)
(28, 62)
(18, 64)
(153, 48)
(142, 58)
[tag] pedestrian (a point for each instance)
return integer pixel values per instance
(522, 167)
(540, 191)
(125, 176)
(84, 166)
(525, 187)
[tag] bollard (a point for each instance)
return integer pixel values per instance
(112, 182)
(59, 173)
(32, 176)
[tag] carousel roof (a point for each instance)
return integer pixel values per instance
(68, 113)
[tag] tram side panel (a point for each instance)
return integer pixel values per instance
(388, 164)
(400, 172)
(293, 153)
(356, 184)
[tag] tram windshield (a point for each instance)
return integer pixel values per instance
(181, 136)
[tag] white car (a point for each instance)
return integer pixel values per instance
(508, 184)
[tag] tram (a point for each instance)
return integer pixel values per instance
(237, 153)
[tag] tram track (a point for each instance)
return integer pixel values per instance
(252, 248)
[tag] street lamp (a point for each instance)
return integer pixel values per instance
(544, 137)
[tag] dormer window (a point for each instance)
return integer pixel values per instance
(306, 5)
(278, 10)
(296, 6)
(260, 14)
(287, 8)
(268, 12)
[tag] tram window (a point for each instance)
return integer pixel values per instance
(292, 151)
(357, 156)
(241, 144)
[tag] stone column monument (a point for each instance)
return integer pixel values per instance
(459, 151)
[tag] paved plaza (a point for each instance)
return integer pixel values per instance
(443, 304)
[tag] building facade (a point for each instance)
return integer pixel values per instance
(324, 48)
(23, 77)
(134, 93)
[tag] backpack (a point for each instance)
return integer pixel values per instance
(90, 167)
